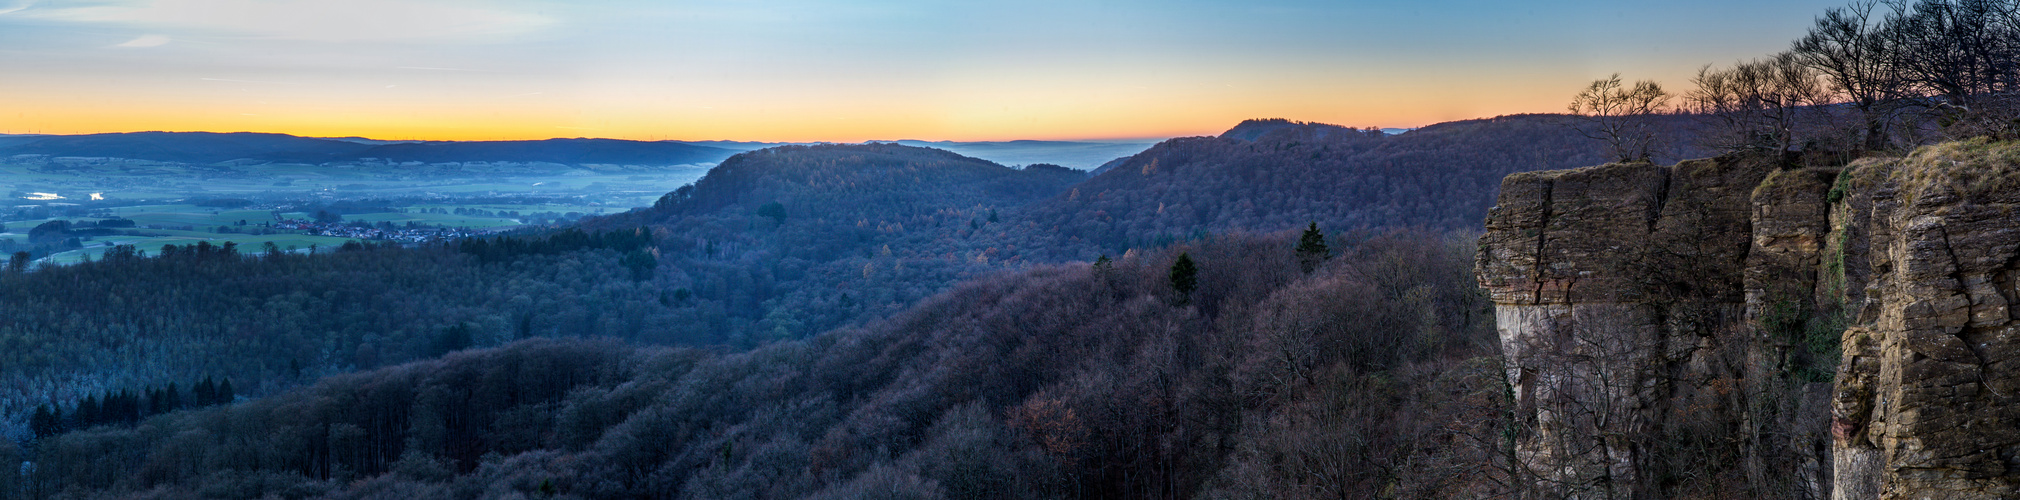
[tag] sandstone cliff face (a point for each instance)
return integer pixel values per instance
(1731, 327)
(1621, 296)
(1928, 396)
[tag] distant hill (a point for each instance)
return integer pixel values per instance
(1071, 154)
(878, 180)
(1271, 175)
(563, 151)
(366, 141)
(1077, 155)
(186, 147)
(1252, 130)
(11, 139)
(208, 147)
(742, 145)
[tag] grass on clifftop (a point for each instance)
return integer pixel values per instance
(1978, 170)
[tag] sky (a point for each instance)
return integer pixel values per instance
(844, 71)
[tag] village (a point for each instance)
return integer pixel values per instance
(384, 231)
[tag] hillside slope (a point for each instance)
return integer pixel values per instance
(1271, 175)
(1058, 382)
(786, 242)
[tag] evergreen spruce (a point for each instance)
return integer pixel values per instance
(46, 422)
(1184, 277)
(87, 414)
(1312, 249)
(205, 393)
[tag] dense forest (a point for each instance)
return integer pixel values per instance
(1373, 374)
(270, 319)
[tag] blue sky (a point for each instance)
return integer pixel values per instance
(809, 70)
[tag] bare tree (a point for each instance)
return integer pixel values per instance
(1957, 49)
(1759, 105)
(1620, 115)
(1961, 55)
(1847, 46)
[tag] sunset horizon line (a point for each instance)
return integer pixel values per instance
(1120, 138)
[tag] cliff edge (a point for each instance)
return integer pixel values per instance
(1734, 325)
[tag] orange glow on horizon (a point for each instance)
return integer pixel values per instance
(1004, 113)
(533, 125)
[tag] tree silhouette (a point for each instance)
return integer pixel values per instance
(1759, 105)
(1312, 249)
(1184, 276)
(1621, 115)
(46, 422)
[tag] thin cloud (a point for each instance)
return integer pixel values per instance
(18, 8)
(228, 80)
(315, 20)
(146, 41)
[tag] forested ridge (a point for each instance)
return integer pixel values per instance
(788, 242)
(1442, 176)
(774, 245)
(1373, 374)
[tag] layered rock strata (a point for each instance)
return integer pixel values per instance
(1622, 301)
(1928, 392)
(1735, 326)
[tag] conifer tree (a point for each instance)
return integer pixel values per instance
(171, 399)
(87, 414)
(1312, 249)
(46, 422)
(1184, 277)
(205, 393)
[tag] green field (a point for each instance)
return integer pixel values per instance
(158, 225)
(190, 215)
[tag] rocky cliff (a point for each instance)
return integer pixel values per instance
(1738, 326)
